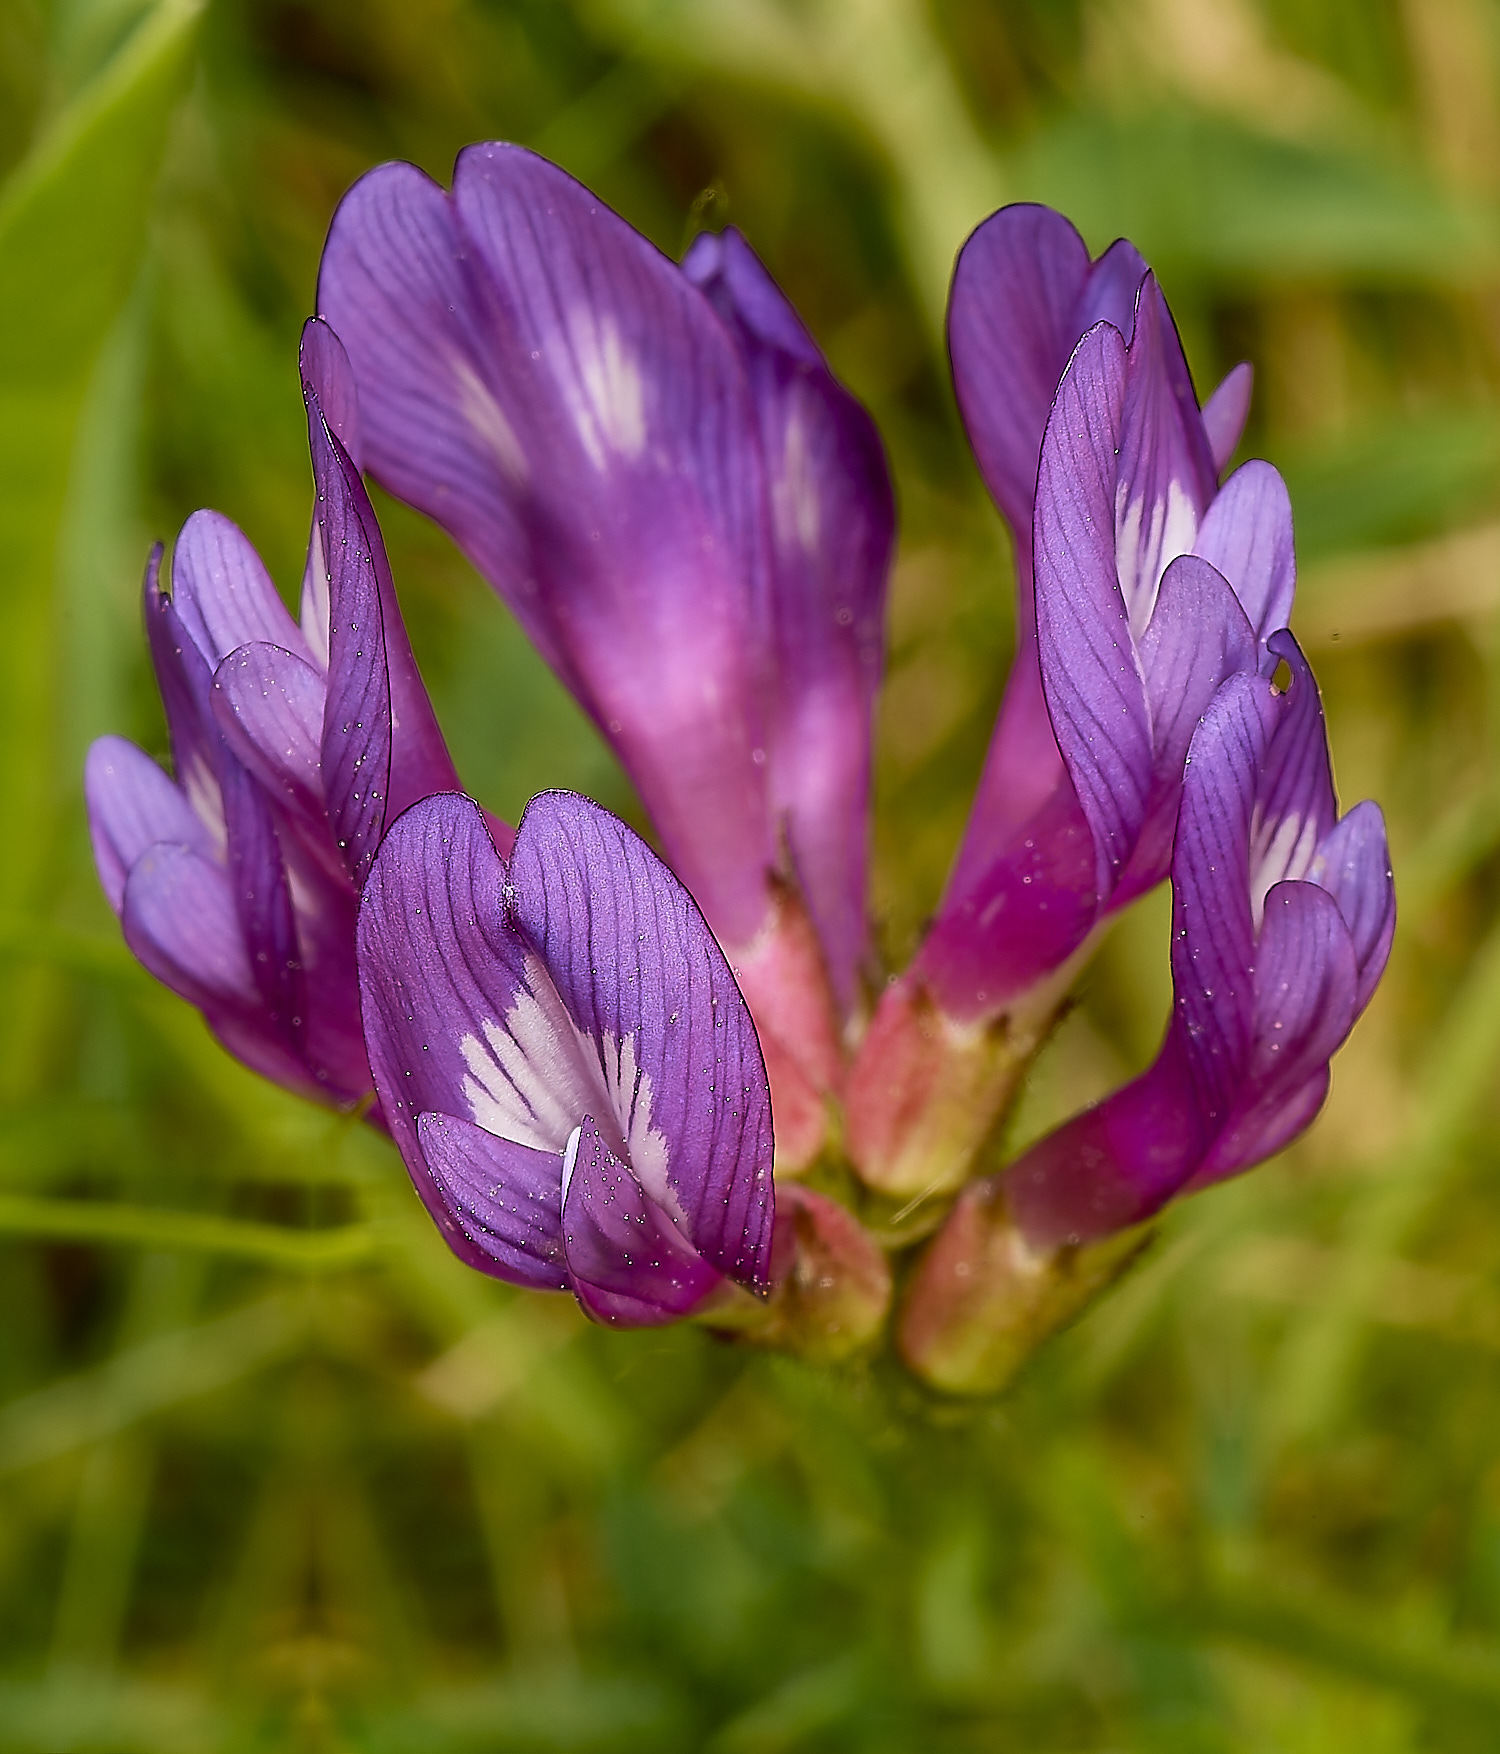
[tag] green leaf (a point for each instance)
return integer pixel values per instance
(72, 231)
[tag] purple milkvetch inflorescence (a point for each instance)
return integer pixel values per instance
(564, 1059)
(687, 513)
(1143, 584)
(692, 519)
(237, 881)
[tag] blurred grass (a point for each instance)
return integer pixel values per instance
(280, 1474)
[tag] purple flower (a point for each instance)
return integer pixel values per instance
(237, 882)
(1151, 586)
(564, 1060)
(1024, 295)
(1283, 914)
(689, 516)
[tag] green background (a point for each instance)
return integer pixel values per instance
(276, 1472)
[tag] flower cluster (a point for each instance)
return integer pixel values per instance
(575, 1044)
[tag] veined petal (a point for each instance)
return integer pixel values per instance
(268, 705)
(631, 1266)
(185, 681)
(355, 740)
(1247, 535)
(132, 805)
(506, 1198)
(354, 556)
(1094, 686)
(263, 902)
(538, 378)
(1226, 411)
(452, 1022)
(1305, 1005)
(1164, 473)
(1196, 638)
(1213, 926)
(646, 984)
(222, 592)
(1353, 863)
(1295, 804)
(832, 526)
(1024, 291)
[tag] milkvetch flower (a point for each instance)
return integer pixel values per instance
(1283, 914)
(236, 881)
(564, 1060)
(1151, 585)
(689, 516)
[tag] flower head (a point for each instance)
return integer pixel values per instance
(237, 881)
(564, 1060)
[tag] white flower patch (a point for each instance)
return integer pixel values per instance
(479, 407)
(608, 398)
(1280, 852)
(534, 1076)
(794, 490)
(1144, 552)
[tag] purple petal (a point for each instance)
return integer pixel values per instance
(180, 919)
(263, 902)
(268, 705)
(185, 681)
(1016, 285)
(1095, 691)
(631, 1266)
(1353, 864)
(1296, 805)
(326, 367)
(832, 525)
(222, 592)
(1247, 535)
(1213, 926)
(539, 379)
(645, 981)
(132, 805)
(355, 742)
(1305, 1005)
(443, 983)
(506, 1198)
(1165, 475)
(1225, 413)
(1197, 636)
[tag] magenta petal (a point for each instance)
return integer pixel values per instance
(222, 592)
(1353, 864)
(268, 705)
(132, 805)
(1247, 535)
(185, 681)
(506, 1198)
(832, 526)
(644, 979)
(631, 1266)
(1298, 778)
(1226, 411)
